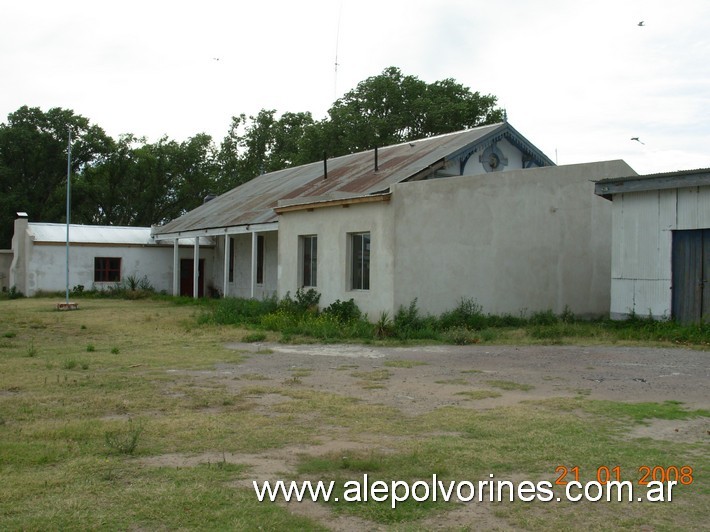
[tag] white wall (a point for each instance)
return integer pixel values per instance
(271, 253)
(46, 265)
(527, 240)
(474, 166)
(240, 286)
(641, 276)
(332, 226)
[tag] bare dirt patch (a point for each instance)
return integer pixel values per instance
(417, 380)
(441, 372)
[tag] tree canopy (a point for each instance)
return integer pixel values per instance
(129, 181)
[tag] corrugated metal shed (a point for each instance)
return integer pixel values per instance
(98, 234)
(347, 176)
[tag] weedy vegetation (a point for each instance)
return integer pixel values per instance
(99, 438)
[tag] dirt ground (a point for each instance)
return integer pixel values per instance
(614, 373)
(421, 379)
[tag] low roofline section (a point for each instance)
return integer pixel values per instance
(286, 206)
(219, 231)
(606, 188)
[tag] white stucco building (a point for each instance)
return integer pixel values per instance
(660, 244)
(479, 214)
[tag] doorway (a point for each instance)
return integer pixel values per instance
(187, 270)
(691, 268)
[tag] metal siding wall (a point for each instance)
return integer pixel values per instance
(617, 241)
(688, 208)
(705, 313)
(703, 211)
(650, 265)
(667, 216)
(640, 251)
(629, 236)
(622, 297)
(652, 297)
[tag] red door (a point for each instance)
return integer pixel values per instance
(186, 276)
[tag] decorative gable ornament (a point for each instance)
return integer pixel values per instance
(493, 159)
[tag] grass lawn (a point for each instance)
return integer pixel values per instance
(95, 405)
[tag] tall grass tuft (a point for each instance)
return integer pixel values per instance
(124, 441)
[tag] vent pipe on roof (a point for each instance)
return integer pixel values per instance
(209, 197)
(325, 166)
(376, 162)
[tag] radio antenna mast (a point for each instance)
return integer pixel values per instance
(337, 43)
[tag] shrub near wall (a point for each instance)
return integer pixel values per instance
(465, 324)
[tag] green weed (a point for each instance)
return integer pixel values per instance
(124, 441)
(510, 385)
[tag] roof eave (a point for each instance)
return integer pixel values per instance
(341, 202)
(219, 231)
(606, 188)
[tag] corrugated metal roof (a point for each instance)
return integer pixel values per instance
(354, 174)
(677, 173)
(98, 234)
(660, 181)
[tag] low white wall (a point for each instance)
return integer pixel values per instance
(46, 266)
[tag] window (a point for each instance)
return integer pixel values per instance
(260, 259)
(107, 269)
(309, 260)
(231, 259)
(360, 261)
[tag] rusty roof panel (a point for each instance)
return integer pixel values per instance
(254, 201)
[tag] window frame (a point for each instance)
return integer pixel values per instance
(308, 261)
(107, 269)
(260, 253)
(232, 245)
(360, 246)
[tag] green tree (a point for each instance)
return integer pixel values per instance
(33, 162)
(385, 109)
(391, 108)
(144, 184)
(261, 143)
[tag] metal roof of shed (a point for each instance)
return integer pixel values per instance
(606, 188)
(347, 176)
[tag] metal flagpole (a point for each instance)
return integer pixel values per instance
(68, 209)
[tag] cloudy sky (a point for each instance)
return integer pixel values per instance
(578, 78)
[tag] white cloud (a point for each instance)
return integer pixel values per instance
(579, 79)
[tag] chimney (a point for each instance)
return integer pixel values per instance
(21, 247)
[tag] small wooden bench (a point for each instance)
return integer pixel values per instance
(67, 306)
